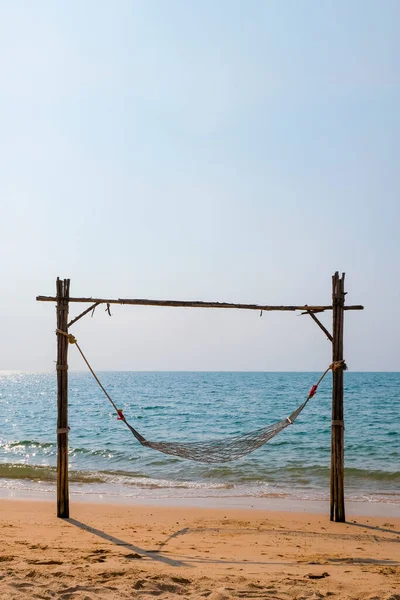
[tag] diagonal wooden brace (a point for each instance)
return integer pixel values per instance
(318, 322)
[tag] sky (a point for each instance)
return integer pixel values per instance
(224, 150)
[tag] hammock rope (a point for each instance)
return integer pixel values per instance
(223, 450)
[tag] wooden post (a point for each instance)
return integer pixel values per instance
(62, 399)
(337, 512)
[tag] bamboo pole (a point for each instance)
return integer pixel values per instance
(337, 509)
(62, 399)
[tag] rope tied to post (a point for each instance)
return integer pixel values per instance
(339, 364)
(335, 366)
(71, 338)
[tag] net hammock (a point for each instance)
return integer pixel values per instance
(223, 450)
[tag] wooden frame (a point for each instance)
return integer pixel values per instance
(63, 300)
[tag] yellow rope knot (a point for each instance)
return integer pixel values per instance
(339, 364)
(71, 338)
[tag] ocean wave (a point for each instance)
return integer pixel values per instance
(299, 473)
(350, 473)
(44, 473)
(224, 477)
(49, 474)
(27, 444)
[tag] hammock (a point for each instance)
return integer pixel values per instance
(223, 450)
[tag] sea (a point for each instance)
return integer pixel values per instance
(105, 460)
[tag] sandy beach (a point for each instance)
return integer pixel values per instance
(119, 551)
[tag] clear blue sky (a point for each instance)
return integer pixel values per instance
(218, 150)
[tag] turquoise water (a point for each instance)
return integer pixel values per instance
(105, 458)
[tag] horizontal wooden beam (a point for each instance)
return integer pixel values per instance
(194, 304)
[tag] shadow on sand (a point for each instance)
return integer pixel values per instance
(155, 555)
(185, 561)
(374, 528)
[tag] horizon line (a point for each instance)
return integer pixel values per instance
(185, 371)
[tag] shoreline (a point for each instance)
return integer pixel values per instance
(270, 503)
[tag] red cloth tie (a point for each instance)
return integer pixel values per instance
(313, 391)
